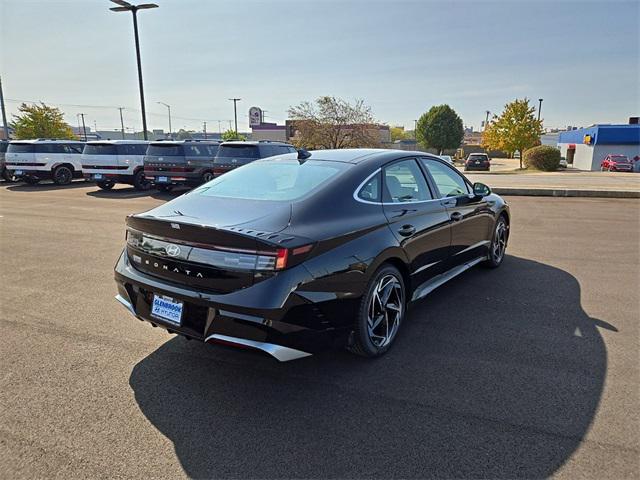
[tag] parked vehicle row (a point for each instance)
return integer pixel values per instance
(162, 164)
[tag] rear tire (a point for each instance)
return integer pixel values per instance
(62, 175)
(382, 309)
(140, 182)
(31, 180)
(207, 177)
(498, 246)
(105, 185)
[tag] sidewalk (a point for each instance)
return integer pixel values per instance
(568, 183)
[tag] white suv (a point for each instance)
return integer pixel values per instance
(115, 161)
(42, 159)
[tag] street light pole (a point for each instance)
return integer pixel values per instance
(486, 120)
(235, 112)
(539, 108)
(204, 129)
(169, 109)
(121, 121)
(84, 127)
(127, 7)
(4, 114)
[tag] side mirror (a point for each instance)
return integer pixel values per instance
(481, 190)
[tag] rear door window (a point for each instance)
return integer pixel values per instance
(100, 149)
(405, 182)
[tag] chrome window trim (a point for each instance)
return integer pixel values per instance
(358, 199)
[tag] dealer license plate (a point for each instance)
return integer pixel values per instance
(166, 308)
(18, 172)
(97, 176)
(162, 179)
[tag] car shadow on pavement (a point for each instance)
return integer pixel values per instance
(130, 192)
(497, 374)
(45, 186)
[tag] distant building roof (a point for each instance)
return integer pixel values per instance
(604, 135)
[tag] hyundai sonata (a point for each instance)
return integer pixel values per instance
(292, 256)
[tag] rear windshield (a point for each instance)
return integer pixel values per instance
(238, 151)
(103, 149)
(201, 150)
(274, 179)
(166, 150)
(21, 148)
(479, 156)
(620, 158)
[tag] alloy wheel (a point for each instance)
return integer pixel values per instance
(500, 241)
(385, 310)
(63, 176)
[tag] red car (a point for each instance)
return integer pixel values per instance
(616, 163)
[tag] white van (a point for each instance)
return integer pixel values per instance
(43, 159)
(108, 162)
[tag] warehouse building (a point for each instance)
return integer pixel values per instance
(585, 148)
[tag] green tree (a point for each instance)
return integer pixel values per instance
(183, 134)
(440, 128)
(232, 135)
(332, 122)
(40, 121)
(515, 130)
(398, 133)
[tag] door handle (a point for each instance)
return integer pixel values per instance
(456, 216)
(407, 230)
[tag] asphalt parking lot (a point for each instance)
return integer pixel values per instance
(530, 370)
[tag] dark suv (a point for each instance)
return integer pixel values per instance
(237, 153)
(477, 161)
(184, 162)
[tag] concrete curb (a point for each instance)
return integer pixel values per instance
(565, 192)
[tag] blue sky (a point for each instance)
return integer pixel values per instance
(401, 57)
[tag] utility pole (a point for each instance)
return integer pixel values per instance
(121, 121)
(539, 108)
(204, 129)
(95, 126)
(4, 113)
(486, 120)
(127, 7)
(219, 127)
(169, 109)
(235, 112)
(84, 127)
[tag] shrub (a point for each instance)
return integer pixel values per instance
(543, 157)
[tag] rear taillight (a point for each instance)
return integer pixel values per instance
(281, 258)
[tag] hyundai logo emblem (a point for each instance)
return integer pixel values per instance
(172, 250)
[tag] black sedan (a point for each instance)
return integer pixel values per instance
(292, 256)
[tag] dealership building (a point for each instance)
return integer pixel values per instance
(585, 148)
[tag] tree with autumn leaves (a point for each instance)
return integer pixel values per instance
(515, 130)
(40, 121)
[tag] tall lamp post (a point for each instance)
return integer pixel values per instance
(539, 108)
(127, 7)
(4, 114)
(169, 109)
(235, 112)
(486, 120)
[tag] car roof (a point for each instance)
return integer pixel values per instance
(365, 155)
(182, 142)
(255, 142)
(117, 142)
(48, 140)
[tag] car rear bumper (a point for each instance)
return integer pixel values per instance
(286, 328)
(29, 172)
(174, 178)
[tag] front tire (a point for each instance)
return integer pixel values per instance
(381, 312)
(105, 185)
(498, 243)
(62, 175)
(140, 182)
